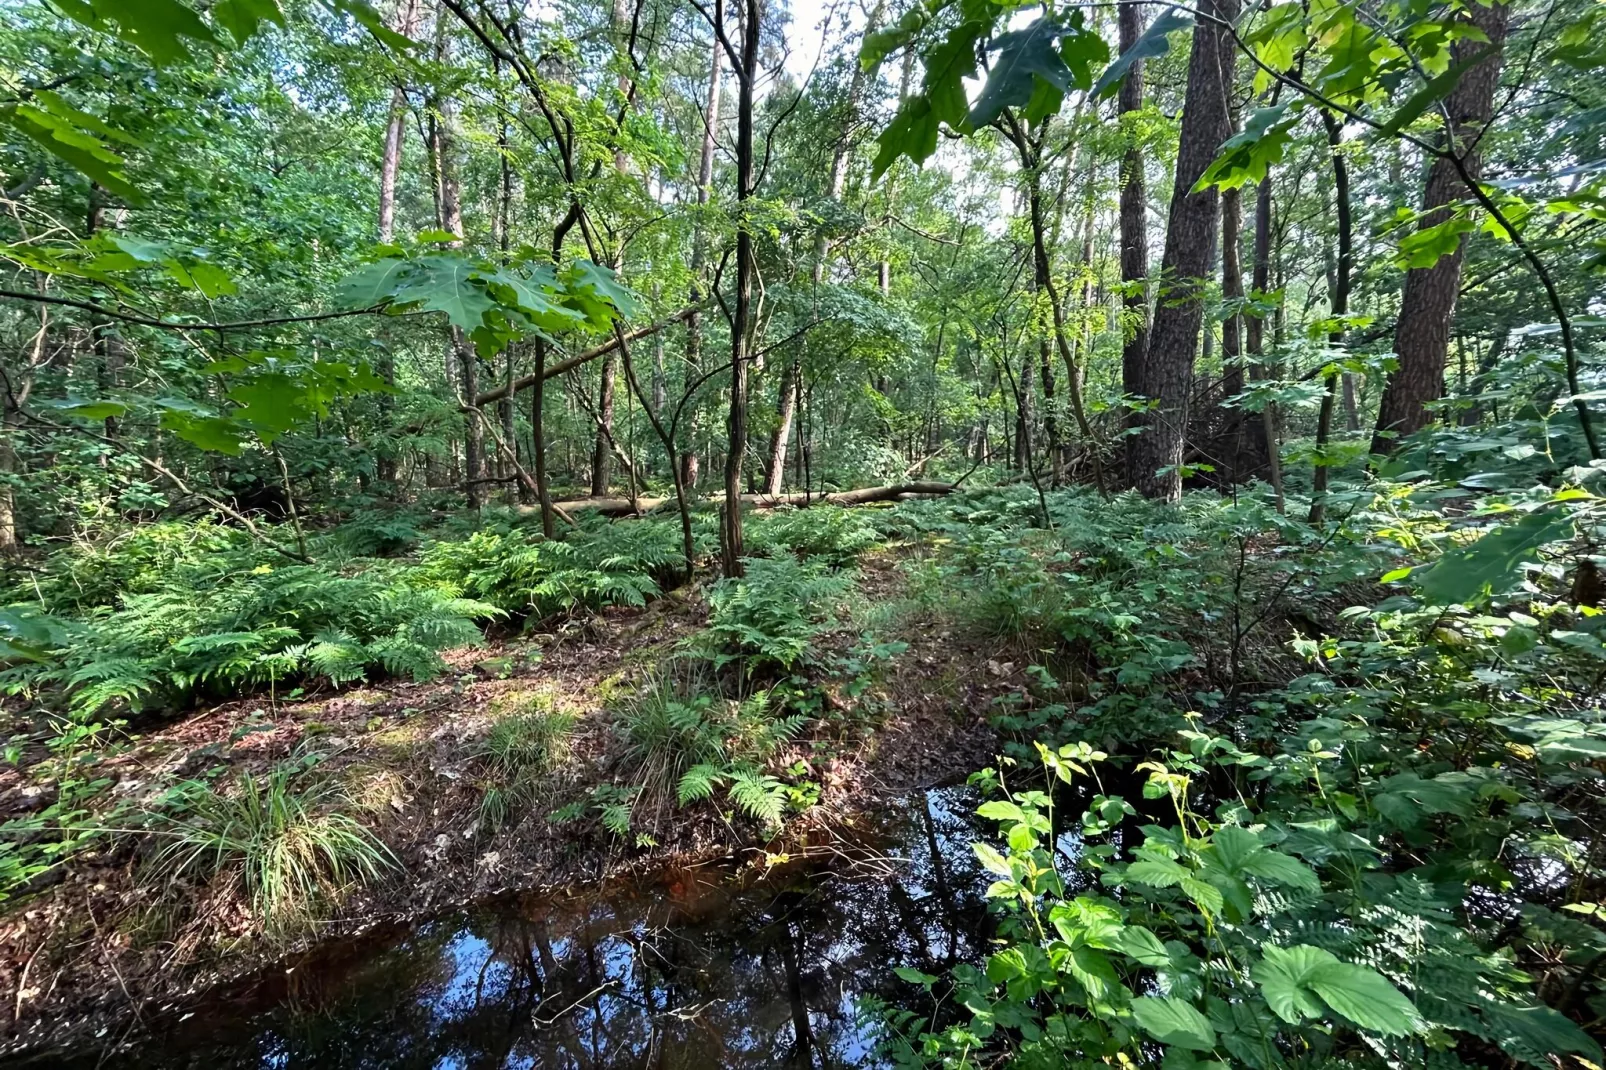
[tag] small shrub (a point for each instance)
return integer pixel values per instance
(288, 850)
(834, 535)
(689, 744)
(767, 619)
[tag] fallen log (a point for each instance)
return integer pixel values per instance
(862, 496)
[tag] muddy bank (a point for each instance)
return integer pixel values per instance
(699, 966)
(101, 950)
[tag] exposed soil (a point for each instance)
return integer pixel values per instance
(98, 948)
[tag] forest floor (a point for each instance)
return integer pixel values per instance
(101, 946)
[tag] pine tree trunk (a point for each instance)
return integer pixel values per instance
(1190, 249)
(1343, 269)
(1134, 224)
(1427, 306)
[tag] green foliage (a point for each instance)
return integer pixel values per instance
(685, 742)
(232, 622)
(598, 565)
(827, 535)
(280, 841)
(766, 620)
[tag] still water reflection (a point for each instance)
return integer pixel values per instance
(691, 972)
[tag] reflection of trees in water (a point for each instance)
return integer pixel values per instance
(710, 977)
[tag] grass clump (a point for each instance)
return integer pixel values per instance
(287, 849)
(529, 739)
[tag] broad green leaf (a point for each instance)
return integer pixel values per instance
(592, 283)
(1436, 89)
(1024, 57)
(1282, 869)
(1427, 246)
(947, 67)
(1297, 981)
(1173, 1021)
(1492, 563)
(1206, 896)
(1248, 155)
(1537, 1035)
(158, 28)
(446, 282)
(1001, 810)
(912, 133)
(1284, 976)
(1366, 998)
(372, 21)
(1141, 944)
(372, 284)
(272, 404)
(84, 153)
(992, 860)
(914, 976)
(87, 410)
(1156, 872)
(1154, 42)
(242, 17)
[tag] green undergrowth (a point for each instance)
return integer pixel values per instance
(1333, 793)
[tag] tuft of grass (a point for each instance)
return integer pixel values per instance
(529, 739)
(289, 851)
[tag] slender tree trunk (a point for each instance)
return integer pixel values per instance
(1190, 246)
(462, 362)
(1342, 271)
(1422, 332)
(1256, 335)
(730, 528)
(788, 389)
(395, 129)
(699, 254)
(1232, 291)
(1134, 225)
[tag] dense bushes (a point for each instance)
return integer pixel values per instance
(599, 564)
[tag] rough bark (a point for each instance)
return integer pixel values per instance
(730, 527)
(462, 363)
(1133, 221)
(1190, 246)
(395, 129)
(1427, 306)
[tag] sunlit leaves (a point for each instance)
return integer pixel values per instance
(1492, 562)
(1174, 1021)
(1298, 981)
(493, 303)
(1248, 155)
(75, 137)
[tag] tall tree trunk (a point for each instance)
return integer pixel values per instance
(1134, 224)
(1343, 269)
(1255, 331)
(462, 363)
(699, 254)
(395, 129)
(1422, 333)
(1190, 247)
(389, 169)
(601, 450)
(730, 528)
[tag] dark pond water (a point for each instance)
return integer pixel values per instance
(696, 971)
